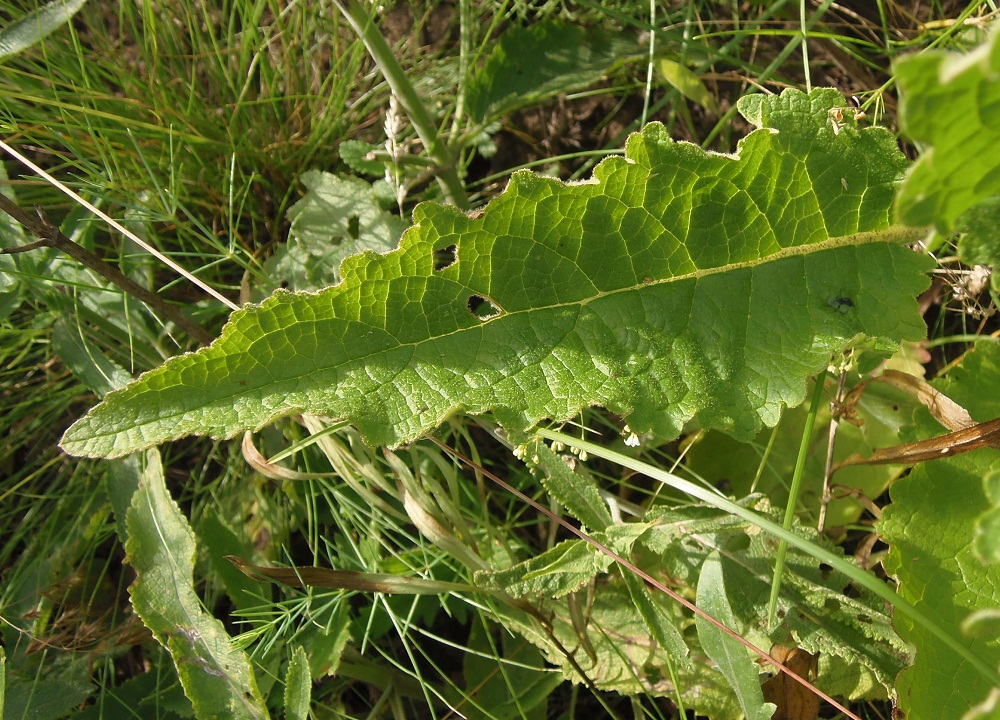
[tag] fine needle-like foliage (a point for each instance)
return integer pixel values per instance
(677, 284)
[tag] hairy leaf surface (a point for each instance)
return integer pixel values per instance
(676, 284)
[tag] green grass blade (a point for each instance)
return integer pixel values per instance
(793, 494)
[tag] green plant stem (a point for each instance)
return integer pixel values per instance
(803, 28)
(764, 458)
(50, 236)
(852, 571)
(793, 494)
(406, 94)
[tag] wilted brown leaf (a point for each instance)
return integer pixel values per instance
(794, 701)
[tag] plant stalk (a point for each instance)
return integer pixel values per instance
(406, 94)
(50, 236)
(793, 494)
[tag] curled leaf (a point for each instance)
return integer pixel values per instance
(793, 700)
(981, 435)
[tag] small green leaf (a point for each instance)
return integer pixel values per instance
(327, 641)
(731, 656)
(87, 363)
(298, 686)
(216, 677)
(665, 633)
(677, 285)
(37, 25)
(336, 218)
(687, 82)
(557, 572)
(577, 493)
(355, 154)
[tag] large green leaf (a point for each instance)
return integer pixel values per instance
(677, 284)
(931, 528)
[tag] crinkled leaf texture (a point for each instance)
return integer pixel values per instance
(676, 284)
(950, 102)
(931, 528)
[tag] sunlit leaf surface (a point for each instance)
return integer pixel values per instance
(676, 284)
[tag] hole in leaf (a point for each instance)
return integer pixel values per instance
(652, 674)
(841, 304)
(483, 308)
(737, 543)
(445, 257)
(354, 227)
